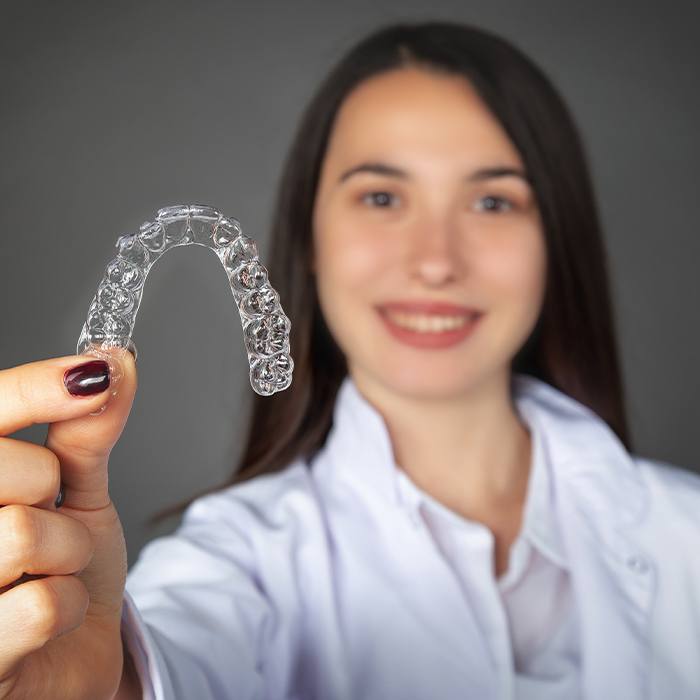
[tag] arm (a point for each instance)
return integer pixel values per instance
(194, 613)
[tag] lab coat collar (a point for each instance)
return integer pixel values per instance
(599, 498)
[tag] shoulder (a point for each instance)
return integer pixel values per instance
(265, 502)
(673, 488)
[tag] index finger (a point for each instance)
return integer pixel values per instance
(36, 392)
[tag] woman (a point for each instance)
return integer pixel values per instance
(444, 503)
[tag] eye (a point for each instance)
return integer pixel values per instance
(379, 199)
(494, 203)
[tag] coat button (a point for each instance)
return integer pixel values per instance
(637, 564)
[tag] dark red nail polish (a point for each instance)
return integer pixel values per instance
(87, 379)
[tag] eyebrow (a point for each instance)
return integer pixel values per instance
(477, 176)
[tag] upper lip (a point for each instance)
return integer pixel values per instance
(429, 307)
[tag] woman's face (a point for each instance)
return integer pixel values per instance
(424, 223)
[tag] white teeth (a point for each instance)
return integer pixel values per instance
(427, 323)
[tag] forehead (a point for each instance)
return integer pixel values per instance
(418, 111)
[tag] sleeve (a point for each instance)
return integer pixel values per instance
(194, 613)
(139, 644)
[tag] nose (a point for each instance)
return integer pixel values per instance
(434, 257)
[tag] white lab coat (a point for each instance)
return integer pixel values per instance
(260, 591)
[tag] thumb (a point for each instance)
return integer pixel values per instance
(83, 444)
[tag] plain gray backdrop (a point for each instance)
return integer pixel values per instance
(109, 111)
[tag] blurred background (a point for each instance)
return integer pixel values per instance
(109, 111)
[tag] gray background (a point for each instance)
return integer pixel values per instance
(109, 111)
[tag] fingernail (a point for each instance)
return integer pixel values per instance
(87, 379)
(61, 497)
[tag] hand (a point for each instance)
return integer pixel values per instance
(62, 570)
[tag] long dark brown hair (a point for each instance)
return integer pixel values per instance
(573, 346)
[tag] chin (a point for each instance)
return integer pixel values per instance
(410, 380)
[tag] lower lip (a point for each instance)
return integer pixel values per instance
(441, 339)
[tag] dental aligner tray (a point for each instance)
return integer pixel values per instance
(113, 310)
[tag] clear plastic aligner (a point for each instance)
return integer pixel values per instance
(112, 313)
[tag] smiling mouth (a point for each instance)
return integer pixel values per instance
(429, 323)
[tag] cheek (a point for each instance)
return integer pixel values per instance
(351, 261)
(347, 271)
(517, 271)
(350, 267)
